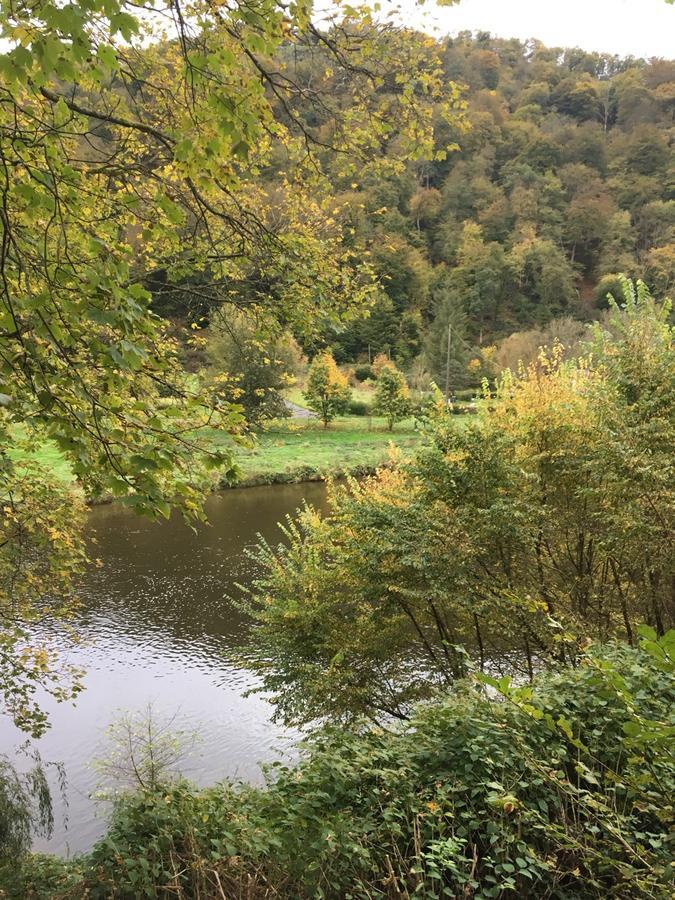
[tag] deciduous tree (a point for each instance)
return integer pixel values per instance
(392, 397)
(132, 144)
(544, 524)
(327, 391)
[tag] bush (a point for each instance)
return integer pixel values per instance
(358, 408)
(608, 286)
(363, 372)
(467, 394)
(43, 877)
(563, 791)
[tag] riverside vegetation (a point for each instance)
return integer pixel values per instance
(193, 199)
(392, 615)
(562, 790)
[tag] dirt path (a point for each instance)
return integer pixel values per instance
(299, 412)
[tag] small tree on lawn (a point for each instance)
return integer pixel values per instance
(327, 392)
(392, 398)
(380, 361)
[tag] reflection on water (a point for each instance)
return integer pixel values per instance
(157, 628)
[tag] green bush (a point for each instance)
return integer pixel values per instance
(43, 877)
(358, 408)
(467, 394)
(363, 372)
(609, 286)
(562, 789)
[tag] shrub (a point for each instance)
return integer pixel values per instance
(363, 372)
(43, 877)
(358, 408)
(609, 286)
(562, 791)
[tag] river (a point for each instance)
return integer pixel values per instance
(157, 628)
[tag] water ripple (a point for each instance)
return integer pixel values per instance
(156, 627)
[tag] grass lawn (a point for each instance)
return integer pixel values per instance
(50, 458)
(296, 449)
(290, 449)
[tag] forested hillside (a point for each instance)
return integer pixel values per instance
(562, 179)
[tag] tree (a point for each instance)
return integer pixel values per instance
(425, 205)
(404, 270)
(445, 351)
(546, 523)
(25, 807)
(545, 194)
(164, 179)
(618, 245)
(41, 557)
(578, 99)
(481, 278)
(377, 331)
(523, 349)
(327, 391)
(130, 160)
(546, 278)
(392, 398)
(251, 365)
(380, 361)
(660, 267)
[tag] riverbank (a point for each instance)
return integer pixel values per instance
(460, 827)
(294, 450)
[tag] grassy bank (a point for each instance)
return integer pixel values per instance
(294, 450)
(301, 449)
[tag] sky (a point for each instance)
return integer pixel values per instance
(626, 27)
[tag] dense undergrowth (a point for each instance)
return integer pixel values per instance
(563, 789)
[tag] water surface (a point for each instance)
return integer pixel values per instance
(157, 628)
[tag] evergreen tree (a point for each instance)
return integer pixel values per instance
(445, 350)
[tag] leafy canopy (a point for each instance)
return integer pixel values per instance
(132, 145)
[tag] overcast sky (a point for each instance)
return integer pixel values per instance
(638, 27)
